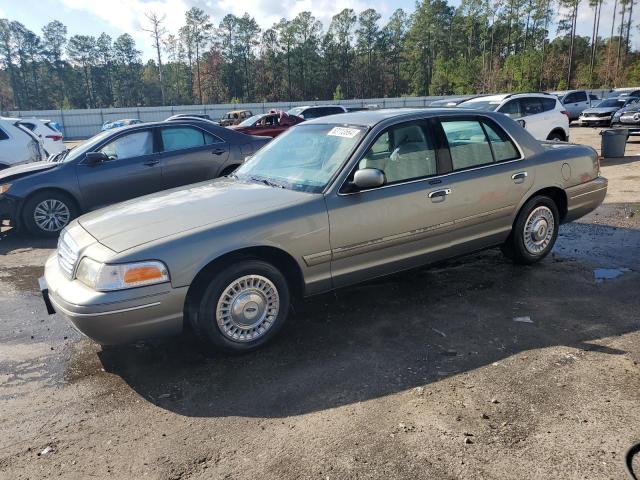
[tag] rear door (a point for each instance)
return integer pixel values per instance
(190, 155)
(487, 179)
(133, 169)
(537, 120)
(575, 103)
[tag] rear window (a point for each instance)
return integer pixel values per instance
(468, 144)
(548, 104)
(183, 137)
(531, 106)
(51, 127)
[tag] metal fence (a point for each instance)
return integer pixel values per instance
(78, 124)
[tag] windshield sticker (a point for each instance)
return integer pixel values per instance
(343, 132)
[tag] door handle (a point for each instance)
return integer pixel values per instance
(440, 193)
(218, 151)
(151, 163)
(519, 177)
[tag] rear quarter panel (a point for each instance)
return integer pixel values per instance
(564, 166)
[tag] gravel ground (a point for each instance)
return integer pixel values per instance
(426, 374)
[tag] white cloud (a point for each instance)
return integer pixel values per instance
(128, 15)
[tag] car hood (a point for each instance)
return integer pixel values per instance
(152, 217)
(25, 169)
(601, 110)
(630, 109)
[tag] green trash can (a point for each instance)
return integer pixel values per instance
(613, 142)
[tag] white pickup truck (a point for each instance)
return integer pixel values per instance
(576, 101)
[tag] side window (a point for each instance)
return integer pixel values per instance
(310, 113)
(503, 147)
(271, 121)
(531, 106)
(468, 144)
(28, 125)
(128, 146)
(580, 97)
(511, 109)
(3, 135)
(548, 104)
(181, 138)
(403, 153)
(571, 98)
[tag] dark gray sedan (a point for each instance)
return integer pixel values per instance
(118, 165)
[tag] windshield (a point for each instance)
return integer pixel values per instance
(304, 158)
(489, 105)
(87, 146)
(250, 121)
(295, 111)
(611, 102)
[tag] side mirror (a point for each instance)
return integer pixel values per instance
(368, 178)
(93, 158)
(522, 123)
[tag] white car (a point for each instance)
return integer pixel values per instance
(51, 136)
(541, 114)
(18, 144)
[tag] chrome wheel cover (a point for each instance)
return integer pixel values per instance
(538, 230)
(247, 308)
(51, 215)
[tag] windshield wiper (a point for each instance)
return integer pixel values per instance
(268, 182)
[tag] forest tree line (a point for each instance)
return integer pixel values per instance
(481, 46)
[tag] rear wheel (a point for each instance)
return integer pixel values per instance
(534, 232)
(46, 213)
(229, 170)
(557, 136)
(242, 307)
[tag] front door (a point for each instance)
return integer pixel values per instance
(132, 169)
(401, 224)
(190, 155)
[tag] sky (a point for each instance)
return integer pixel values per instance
(91, 17)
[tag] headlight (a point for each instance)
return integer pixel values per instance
(617, 115)
(104, 277)
(4, 188)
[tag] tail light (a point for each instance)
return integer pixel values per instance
(566, 113)
(55, 138)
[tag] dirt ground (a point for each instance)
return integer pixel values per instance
(471, 369)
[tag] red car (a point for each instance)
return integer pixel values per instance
(269, 124)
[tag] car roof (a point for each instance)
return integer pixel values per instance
(369, 118)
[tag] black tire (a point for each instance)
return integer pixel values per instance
(515, 248)
(229, 170)
(29, 210)
(557, 136)
(204, 318)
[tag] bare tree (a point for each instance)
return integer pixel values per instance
(157, 32)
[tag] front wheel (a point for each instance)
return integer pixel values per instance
(243, 307)
(534, 232)
(47, 213)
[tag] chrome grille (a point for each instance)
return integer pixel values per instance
(67, 254)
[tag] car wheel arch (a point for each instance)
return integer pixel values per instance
(50, 189)
(279, 258)
(557, 194)
(559, 131)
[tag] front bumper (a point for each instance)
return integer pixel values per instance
(586, 197)
(112, 318)
(586, 120)
(8, 209)
(633, 129)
